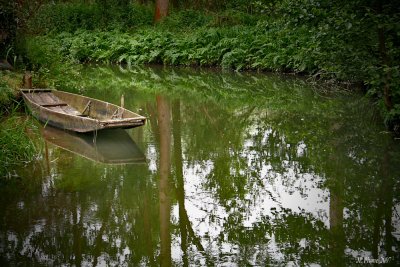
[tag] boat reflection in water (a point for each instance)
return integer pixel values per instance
(107, 146)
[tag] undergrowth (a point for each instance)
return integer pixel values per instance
(9, 82)
(70, 17)
(317, 38)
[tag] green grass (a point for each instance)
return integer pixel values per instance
(16, 147)
(8, 84)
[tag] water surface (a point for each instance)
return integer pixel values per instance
(230, 170)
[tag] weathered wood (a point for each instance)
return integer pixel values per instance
(54, 105)
(114, 115)
(35, 90)
(27, 80)
(61, 109)
(87, 107)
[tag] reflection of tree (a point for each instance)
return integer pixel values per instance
(219, 138)
(246, 160)
(77, 229)
(337, 244)
(185, 226)
(75, 217)
(384, 210)
(337, 154)
(164, 120)
(180, 191)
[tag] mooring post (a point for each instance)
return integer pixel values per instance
(27, 80)
(122, 101)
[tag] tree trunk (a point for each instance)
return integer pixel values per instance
(161, 10)
(175, 4)
(385, 61)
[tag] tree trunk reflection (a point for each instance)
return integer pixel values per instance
(336, 225)
(180, 191)
(383, 217)
(164, 121)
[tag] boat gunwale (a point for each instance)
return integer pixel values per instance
(54, 111)
(97, 124)
(138, 117)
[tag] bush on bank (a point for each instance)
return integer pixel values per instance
(333, 40)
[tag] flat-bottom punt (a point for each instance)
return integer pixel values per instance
(78, 113)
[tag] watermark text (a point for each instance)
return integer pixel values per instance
(369, 260)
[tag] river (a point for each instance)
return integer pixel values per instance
(231, 169)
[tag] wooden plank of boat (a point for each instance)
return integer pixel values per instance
(78, 113)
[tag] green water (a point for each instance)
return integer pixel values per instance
(230, 170)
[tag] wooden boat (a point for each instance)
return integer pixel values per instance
(78, 113)
(114, 147)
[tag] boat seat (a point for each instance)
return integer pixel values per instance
(54, 104)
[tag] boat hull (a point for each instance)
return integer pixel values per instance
(69, 111)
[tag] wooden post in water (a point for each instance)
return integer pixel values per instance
(27, 80)
(122, 101)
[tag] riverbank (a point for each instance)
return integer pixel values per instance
(9, 84)
(16, 146)
(324, 41)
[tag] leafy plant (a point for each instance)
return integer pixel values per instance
(334, 41)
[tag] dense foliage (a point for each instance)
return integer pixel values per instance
(73, 16)
(7, 27)
(349, 41)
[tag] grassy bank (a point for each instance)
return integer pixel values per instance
(333, 41)
(15, 145)
(9, 84)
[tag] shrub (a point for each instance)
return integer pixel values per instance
(320, 38)
(189, 18)
(70, 17)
